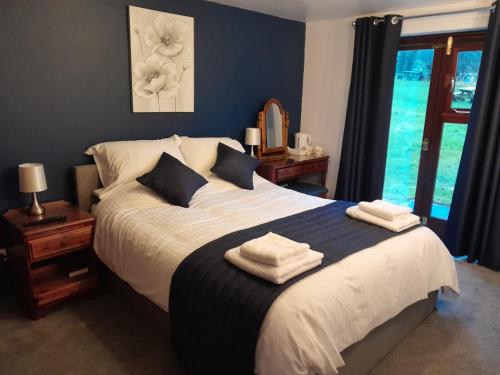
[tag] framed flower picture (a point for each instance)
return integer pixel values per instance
(162, 61)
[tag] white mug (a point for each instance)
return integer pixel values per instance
(302, 140)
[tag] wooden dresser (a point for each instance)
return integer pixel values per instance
(38, 256)
(293, 167)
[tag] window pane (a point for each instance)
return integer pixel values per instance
(468, 63)
(452, 144)
(409, 106)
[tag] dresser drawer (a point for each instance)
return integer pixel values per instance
(315, 167)
(56, 244)
(290, 172)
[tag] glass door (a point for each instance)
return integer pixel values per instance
(410, 98)
(434, 87)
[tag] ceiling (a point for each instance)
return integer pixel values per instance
(314, 10)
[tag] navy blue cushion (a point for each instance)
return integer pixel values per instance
(235, 166)
(173, 181)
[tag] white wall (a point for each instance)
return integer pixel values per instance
(327, 72)
(328, 62)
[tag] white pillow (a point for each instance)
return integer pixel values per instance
(201, 153)
(123, 161)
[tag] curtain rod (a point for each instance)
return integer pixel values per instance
(396, 19)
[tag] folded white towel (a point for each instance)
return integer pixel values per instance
(274, 250)
(277, 275)
(385, 210)
(399, 224)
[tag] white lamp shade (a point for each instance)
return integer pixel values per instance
(252, 137)
(32, 178)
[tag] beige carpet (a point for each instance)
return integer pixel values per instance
(100, 336)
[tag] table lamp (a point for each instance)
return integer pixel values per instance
(32, 180)
(252, 138)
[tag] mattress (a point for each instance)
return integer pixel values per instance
(143, 239)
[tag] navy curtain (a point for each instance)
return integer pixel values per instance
(474, 224)
(366, 132)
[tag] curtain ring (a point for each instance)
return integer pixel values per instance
(376, 21)
(395, 20)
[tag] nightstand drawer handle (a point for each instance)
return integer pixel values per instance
(62, 243)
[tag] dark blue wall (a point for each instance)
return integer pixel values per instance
(65, 80)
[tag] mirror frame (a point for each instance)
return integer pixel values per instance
(269, 153)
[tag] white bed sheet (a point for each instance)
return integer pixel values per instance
(143, 240)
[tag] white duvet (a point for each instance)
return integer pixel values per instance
(143, 240)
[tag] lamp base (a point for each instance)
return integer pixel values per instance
(251, 152)
(36, 209)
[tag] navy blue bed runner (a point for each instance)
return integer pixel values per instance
(216, 309)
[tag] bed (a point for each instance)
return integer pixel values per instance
(375, 296)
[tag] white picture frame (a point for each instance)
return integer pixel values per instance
(162, 61)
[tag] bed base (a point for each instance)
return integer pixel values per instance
(360, 357)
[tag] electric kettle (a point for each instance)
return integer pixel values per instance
(302, 140)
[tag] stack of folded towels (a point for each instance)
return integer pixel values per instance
(384, 214)
(274, 258)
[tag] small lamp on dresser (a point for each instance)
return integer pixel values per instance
(32, 180)
(252, 138)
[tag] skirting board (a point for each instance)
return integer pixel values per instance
(360, 357)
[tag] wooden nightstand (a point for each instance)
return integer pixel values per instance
(293, 167)
(41, 257)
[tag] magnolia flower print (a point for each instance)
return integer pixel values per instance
(156, 76)
(166, 37)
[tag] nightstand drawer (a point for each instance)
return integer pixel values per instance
(315, 167)
(53, 288)
(56, 244)
(290, 172)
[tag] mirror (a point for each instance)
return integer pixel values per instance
(273, 125)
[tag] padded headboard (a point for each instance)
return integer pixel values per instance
(86, 181)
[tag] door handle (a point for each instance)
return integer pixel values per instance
(425, 144)
(460, 112)
(452, 85)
